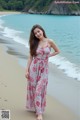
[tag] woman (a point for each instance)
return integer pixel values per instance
(37, 69)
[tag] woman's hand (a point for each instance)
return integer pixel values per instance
(27, 74)
(55, 48)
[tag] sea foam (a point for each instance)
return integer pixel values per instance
(71, 69)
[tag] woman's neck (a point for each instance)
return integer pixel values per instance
(42, 40)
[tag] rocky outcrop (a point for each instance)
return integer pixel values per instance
(58, 9)
(62, 9)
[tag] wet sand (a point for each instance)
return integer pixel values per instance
(13, 92)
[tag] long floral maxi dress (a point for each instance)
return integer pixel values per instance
(38, 80)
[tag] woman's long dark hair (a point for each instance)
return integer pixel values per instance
(33, 41)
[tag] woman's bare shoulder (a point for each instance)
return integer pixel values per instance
(50, 41)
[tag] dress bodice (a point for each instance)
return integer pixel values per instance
(43, 53)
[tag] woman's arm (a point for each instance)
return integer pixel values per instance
(29, 62)
(28, 66)
(55, 48)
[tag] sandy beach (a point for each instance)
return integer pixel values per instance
(13, 91)
(5, 12)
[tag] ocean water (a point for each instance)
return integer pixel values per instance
(63, 30)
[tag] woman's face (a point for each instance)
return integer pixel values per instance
(38, 33)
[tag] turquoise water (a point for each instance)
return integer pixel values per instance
(64, 30)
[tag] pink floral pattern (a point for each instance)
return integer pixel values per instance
(38, 80)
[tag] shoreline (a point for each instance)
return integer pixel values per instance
(58, 83)
(73, 64)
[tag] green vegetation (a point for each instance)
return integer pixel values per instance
(34, 5)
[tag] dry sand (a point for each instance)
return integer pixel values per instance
(13, 92)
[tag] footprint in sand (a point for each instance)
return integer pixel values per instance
(5, 100)
(4, 85)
